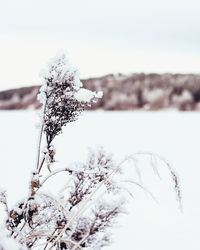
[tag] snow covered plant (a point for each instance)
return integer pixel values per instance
(79, 216)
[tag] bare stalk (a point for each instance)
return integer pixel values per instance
(40, 140)
(39, 145)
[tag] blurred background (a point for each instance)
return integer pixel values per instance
(143, 54)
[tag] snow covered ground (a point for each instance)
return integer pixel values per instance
(175, 136)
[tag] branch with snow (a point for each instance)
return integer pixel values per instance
(62, 95)
(63, 98)
(74, 218)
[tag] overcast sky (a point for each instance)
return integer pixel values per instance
(101, 36)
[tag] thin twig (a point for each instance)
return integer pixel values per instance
(51, 237)
(42, 162)
(54, 173)
(40, 138)
(39, 145)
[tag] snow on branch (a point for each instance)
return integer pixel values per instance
(62, 95)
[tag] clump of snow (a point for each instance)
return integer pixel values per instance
(85, 95)
(60, 69)
(7, 243)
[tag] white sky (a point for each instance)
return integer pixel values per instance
(101, 36)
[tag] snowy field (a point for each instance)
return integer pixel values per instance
(175, 136)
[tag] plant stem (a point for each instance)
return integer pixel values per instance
(41, 164)
(39, 146)
(40, 138)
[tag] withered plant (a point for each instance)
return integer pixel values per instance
(90, 201)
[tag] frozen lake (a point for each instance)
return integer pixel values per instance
(173, 135)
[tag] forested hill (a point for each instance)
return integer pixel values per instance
(125, 92)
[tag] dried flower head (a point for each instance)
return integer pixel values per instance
(62, 95)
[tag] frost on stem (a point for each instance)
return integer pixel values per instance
(62, 95)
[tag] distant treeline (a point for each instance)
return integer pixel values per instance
(125, 92)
